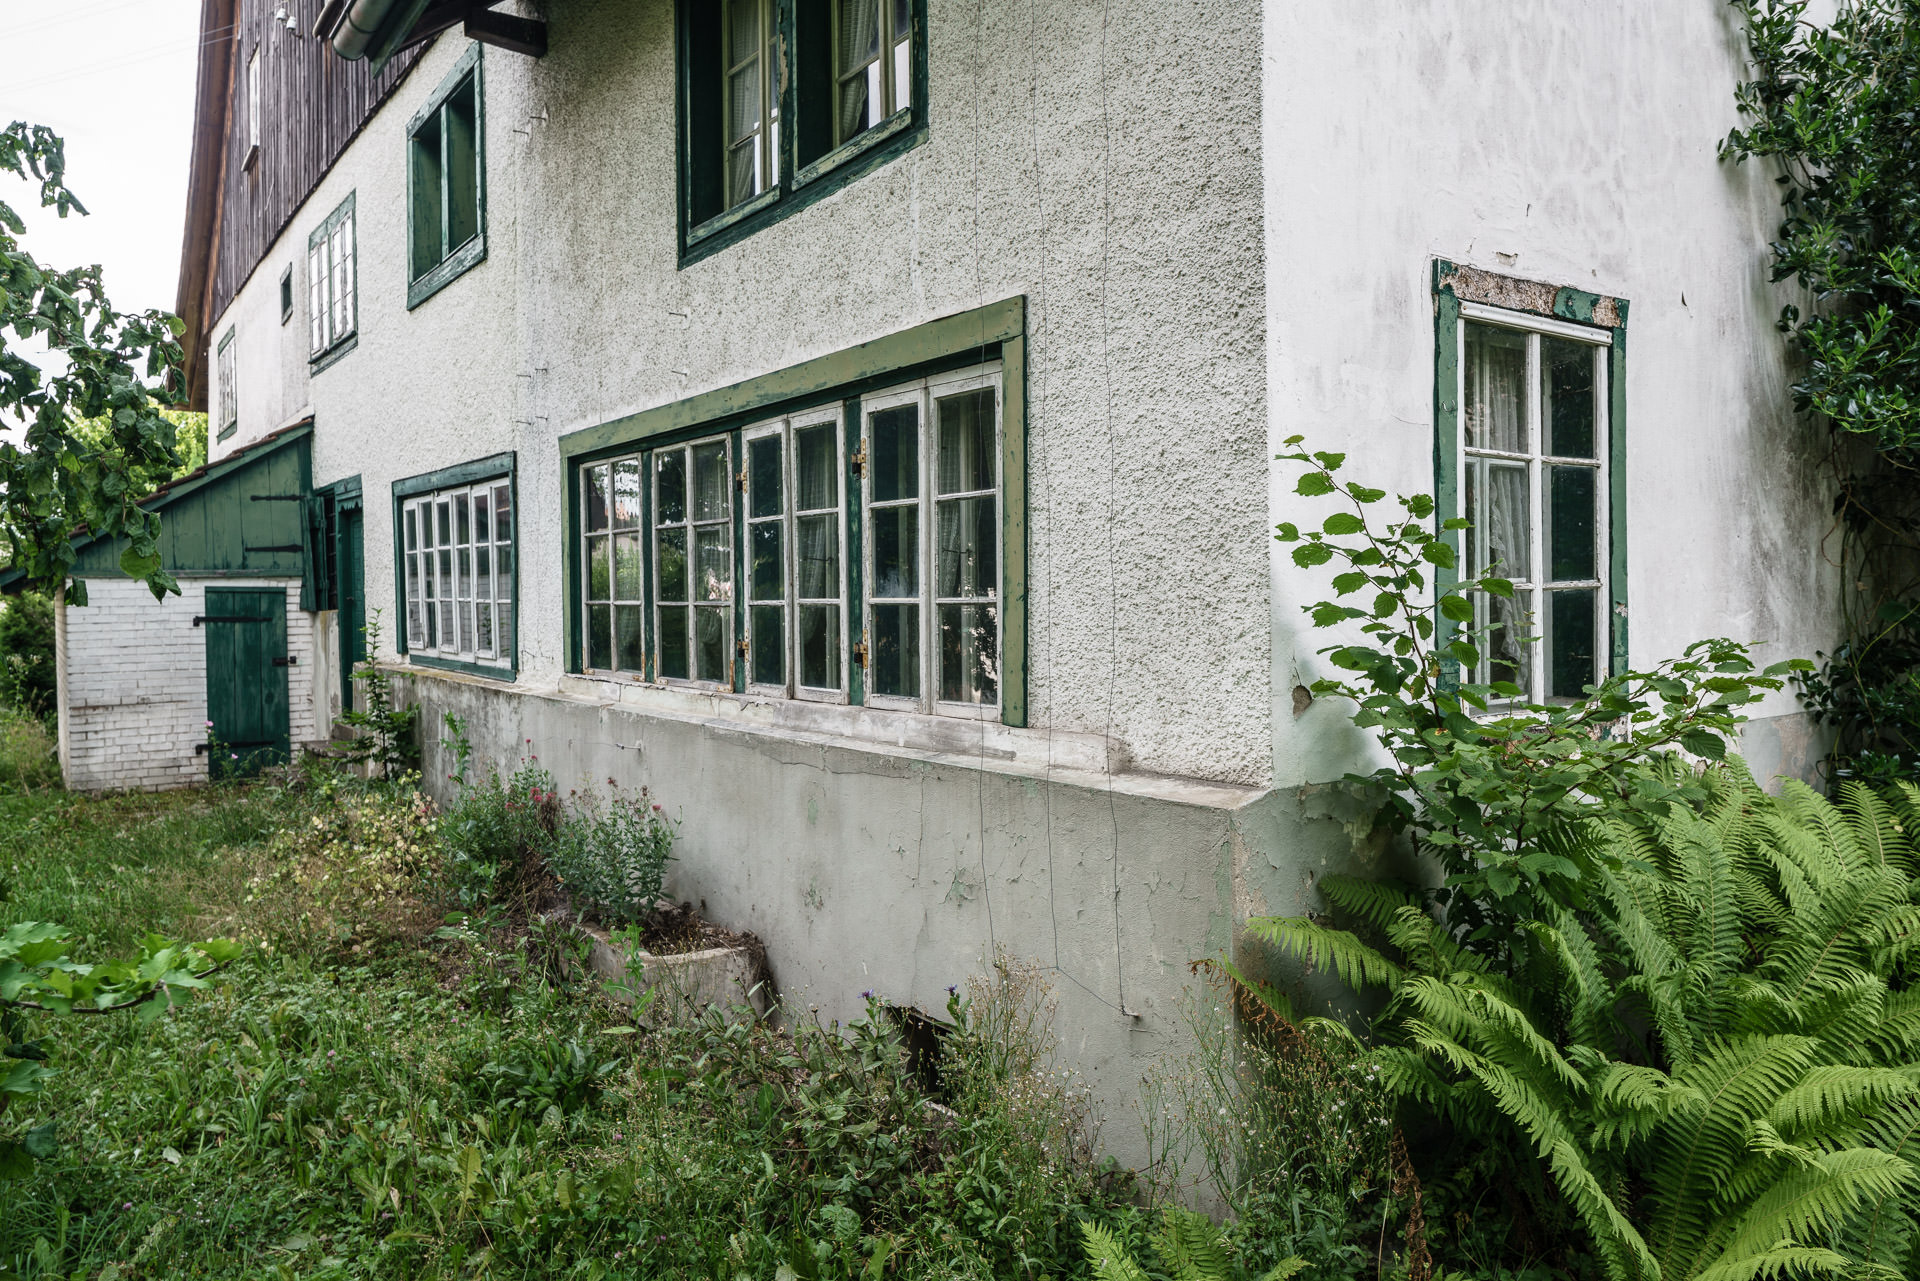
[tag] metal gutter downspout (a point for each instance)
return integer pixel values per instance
(359, 25)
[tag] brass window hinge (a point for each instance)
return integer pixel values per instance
(859, 460)
(743, 480)
(860, 653)
(740, 647)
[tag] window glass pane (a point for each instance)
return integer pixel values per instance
(967, 535)
(859, 33)
(710, 481)
(820, 646)
(966, 441)
(710, 644)
(743, 29)
(672, 584)
(483, 573)
(1470, 536)
(629, 645)
(424, 204)
(316, 300)
(769, 646)
(1571, 549)
(1506, 532)
(969, 645)
(767, 577)
(599, 570)
(670, 491)
(482, 527)
(852, 121)
(596, 499)
(763, 470)
(483, 628)
(502, 515)
(600, 637)
(896, 551)
(743, 101)
(818, 571)
(1496, 377)
(463, 168)
(1509, 657)
(902, 71)
(444, 511)
(712, 564)
(466, 623)
(413, 530)
(816, 469)
(675, 655)
(1570, 641)
(896, 453)
(626, 566)
(626, 493)
(416, 628)
(743, 166)
(1566, 396)
(462, 526)
(895, 652)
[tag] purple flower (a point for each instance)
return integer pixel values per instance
(952, 990)
(867, 995)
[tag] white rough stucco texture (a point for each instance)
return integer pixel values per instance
(1575, 146)
(1111, 176)
(136, 684)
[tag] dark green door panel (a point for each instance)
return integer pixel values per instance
(352, 562)
(247, 698)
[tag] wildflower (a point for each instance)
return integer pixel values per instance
(867, 995)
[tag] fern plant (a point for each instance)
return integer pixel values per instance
(1716, 1059)
(1190, 1247)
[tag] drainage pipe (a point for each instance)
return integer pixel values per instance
(359, 25)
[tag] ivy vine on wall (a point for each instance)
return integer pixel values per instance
(1836, 106)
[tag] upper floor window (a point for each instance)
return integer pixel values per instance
(226, 375)
(332, 302)
(446, 179)
(1534, 480)
(455, 539)
(778, 558)
(781, 100)
(253, 104)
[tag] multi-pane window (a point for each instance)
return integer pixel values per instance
(1533, 471)
(331, 299)
(753, 99)
(444, 181)
(873, 63)
(779, 93)
(932, 554)
(737, 552)
(457, 551)
(226, 377)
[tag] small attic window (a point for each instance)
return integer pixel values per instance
(253, 107)
(286, 294)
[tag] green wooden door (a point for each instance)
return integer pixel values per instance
(351, 562)
(247, 663)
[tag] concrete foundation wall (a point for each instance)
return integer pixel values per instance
(134, 689)
(865, 866)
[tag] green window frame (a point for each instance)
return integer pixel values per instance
(851, 530)
(782, 102)
(446, 181)
(456, 571)
(227, 376)
(1530, 445)
(333, 302)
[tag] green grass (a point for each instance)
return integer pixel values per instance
(469, 1106)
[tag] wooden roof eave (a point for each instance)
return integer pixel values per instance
(200, 242)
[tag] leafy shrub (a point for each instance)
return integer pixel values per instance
(498, 836)
(612, 854)
(27, 751)
(1868, 693)
(27, 678)
(387, 732)
(1189, 1246)
(357, 871)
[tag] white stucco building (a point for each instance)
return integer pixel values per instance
(875, 457)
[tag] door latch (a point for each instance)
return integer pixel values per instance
(291, 660)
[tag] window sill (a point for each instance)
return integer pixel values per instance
(892, 137)
(854, 148)
(455, 265)
(333, 354)
(228, 430)
(505, 673)
(252, 161)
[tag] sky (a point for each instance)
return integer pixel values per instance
(115, 78)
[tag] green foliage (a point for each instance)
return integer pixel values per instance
(1483, 783)
(27, 756)
(421, 1112)
(57, 485)
(189, 443)
(612, 854)
(498, 835)
(1832, 107)
(1716, 1059)
(27, 678)
(1189, 1247)
(386, 737)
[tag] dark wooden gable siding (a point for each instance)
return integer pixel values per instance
(312, 103)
